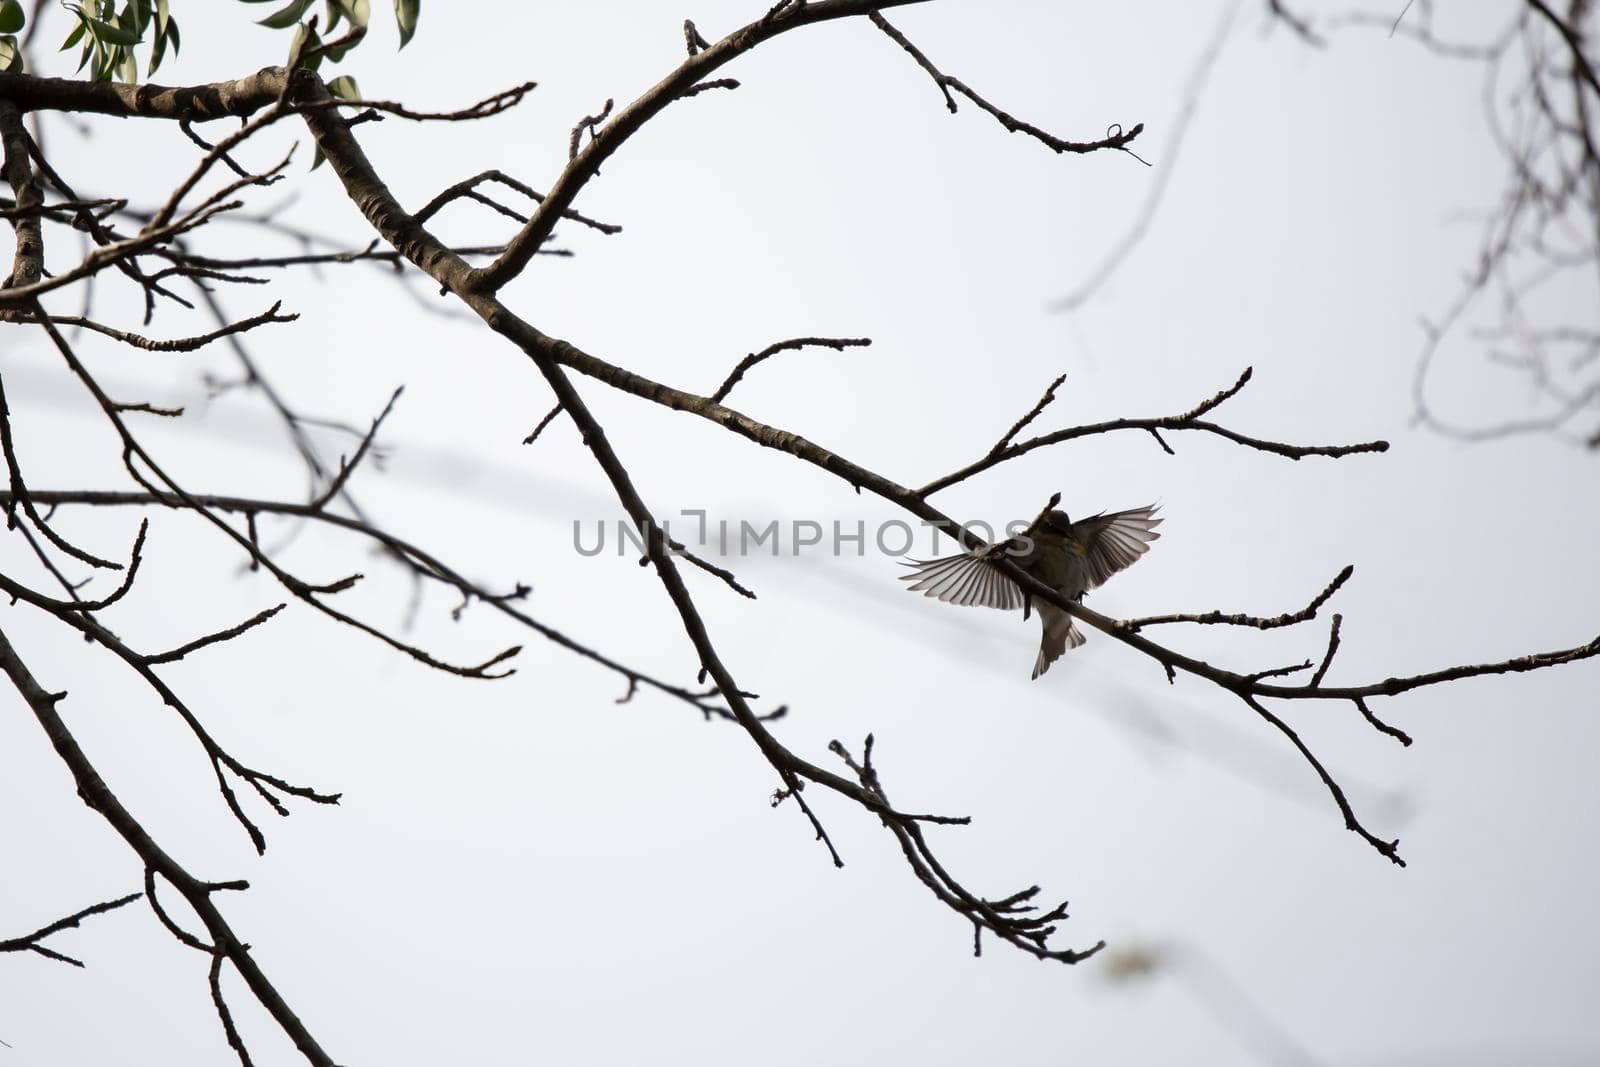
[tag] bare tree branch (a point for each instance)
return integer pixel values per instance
(31, 942)
(838, 344)
(197, 893)
(1116, 138)
(169, 233)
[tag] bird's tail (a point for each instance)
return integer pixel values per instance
(1060, 634)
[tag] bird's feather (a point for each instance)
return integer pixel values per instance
(1116, 541)
(965, 579)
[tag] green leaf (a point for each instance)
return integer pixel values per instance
(345, 88)
(405, 13)
(162, 17)
(133, 18)
(10, 55)
(158, 51)
(318, 160)
(313, 40)
(105, 31)
(172, 35)
(286, 16)
(75, 36)
(334, 13)
(12, 17)
(128, 68)
(357, 11)
(333, 55)
(105, 61)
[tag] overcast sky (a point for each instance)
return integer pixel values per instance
(525, 872)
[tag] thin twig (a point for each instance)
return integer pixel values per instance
(838, 344)
(1038, 409)
(1116, 137)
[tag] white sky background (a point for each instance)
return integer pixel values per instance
(524, 872)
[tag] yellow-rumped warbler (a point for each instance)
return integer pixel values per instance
(1070, 557)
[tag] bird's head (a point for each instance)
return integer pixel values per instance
(1055, 521)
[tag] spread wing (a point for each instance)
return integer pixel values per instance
(1116, 541)
(964, 579)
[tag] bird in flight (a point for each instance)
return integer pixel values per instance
(1070, 557)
